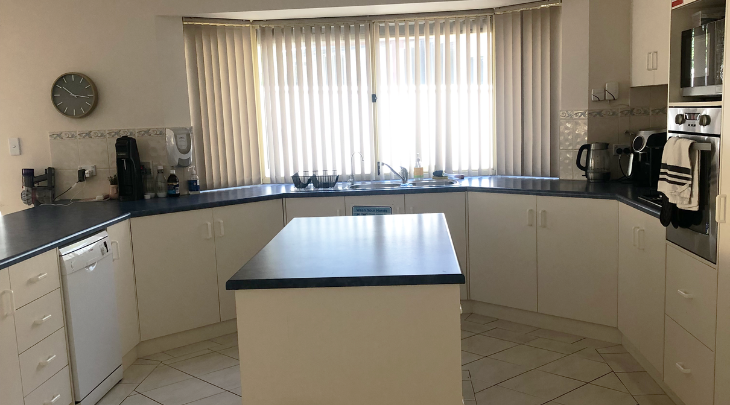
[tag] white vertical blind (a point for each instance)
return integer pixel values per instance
(222, 105)
(526, 80)
(434, 81)
(315, 97)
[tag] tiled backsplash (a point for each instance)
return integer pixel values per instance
(71, 149)
(648, 109)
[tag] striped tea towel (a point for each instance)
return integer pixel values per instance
(679, 174)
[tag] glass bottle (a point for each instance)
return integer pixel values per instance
(173, 184)
(193, 181)
(160, 183)
(418, 170)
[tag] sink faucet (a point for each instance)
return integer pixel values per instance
(352, 166)
(403, 172)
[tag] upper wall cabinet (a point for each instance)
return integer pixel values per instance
(650, 42)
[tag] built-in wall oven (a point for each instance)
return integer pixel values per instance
(701, 124)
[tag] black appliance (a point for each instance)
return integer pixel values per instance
(647, 157)
(702, 59)
(129, 169)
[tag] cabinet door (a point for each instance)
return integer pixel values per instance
(453, 206)
(642, 247)
(641, 42)
(660, 16)
(502, 249)
(240, 232)
(577, 259)
(395, 201)
(314, 207)
(177, 282)
(10, 384)
(121, 244)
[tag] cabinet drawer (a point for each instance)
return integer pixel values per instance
(43, 361)
(37, 320)
(55, 391)
(34, 277)
(689, 366)
(692, 295)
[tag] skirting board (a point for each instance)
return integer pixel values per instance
(649, 368)
(580, 328)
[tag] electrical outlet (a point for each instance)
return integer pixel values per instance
(619, 149)
(90, 170)
(598, 95)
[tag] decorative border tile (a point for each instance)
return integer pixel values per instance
(55, 136)
(84, 134)
(658, 111)
(96, 134)
(636, 111)
(624, 112)
(68, 134)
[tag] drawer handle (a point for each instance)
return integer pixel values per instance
(681, 368)
(221, 228)
(12, 302)
(45, 362)
(115, 250)
(685, 294)
(42, 320)
(38, 278)
(53, 400)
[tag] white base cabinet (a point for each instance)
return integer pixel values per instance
(396, 202)
(11, 388)
(314, 207)
(642, 246)
(503, 249)
(689, 366)
(577, 259)
(123, 259)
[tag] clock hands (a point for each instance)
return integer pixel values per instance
(74, 95)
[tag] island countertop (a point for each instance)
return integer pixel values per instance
(354, 252)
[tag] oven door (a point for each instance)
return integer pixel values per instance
(701, 237)
(702, 59)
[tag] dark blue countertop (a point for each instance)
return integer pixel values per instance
(27, 233)
(360, 252)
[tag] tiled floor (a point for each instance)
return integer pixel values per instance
(503, 363)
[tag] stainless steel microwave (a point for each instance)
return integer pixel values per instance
(703, 50)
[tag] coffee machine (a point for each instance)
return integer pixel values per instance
(33, 192)
(129, 169)
(646, 159)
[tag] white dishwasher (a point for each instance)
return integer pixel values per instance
(90, 300)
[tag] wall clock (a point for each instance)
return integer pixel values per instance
(74, 95)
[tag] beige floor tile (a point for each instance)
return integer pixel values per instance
(465, 375)
(465, 315)
(484, 345)
(593, 395)
(590, 354)
(654, 400)
(622, 363)
(228, 378)
(145, 362)
(527, 356)
(187, 356)
(224, 398)
(205, 364)
(135, 374)
(541, 384)
(612, 349)
(593, 343)
(466, 334)
(475, 327)
(610, 381)
(577, 368)
(226, 340)
(509, 335)
(230, 352)
(555, 335)
(467, 392)
(487, 372)
(513, 326)
(183, 392)
(158, 357)
(162, 376)
(467, 357)
(640, 383)
(195, 347)
(138, 400)
(554, 345)
(117, 394)
(476, 318)
(502, 396)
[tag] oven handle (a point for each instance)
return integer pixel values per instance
(720, 208)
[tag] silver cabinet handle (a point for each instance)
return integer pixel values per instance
(220, 227)
(115, 250)
(208, 231)
(654, 60)
(45, 362)
(683, 369)
(640, 239)
(720, 208)
(543, 219)
(685, 294)
(41, 321)
(37, 278)
(530, 217)
(12, 302)
(635, 230)
(53, 400)
(648, 61)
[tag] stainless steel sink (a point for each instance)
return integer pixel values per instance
(432, 183)
(374, 186)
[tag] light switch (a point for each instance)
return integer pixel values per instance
(14, 144)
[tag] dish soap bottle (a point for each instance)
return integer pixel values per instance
(194, 181)
(160, 183)
(173, 184)
(418, 170)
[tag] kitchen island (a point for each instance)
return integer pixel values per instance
(356, 310)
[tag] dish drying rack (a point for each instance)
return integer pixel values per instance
(319, 181)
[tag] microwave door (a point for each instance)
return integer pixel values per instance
(700, 65)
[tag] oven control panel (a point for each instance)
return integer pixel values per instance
(695, 120)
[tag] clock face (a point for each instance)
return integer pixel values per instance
(74, 95)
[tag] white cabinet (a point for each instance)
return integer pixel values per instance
(241, 231)
(577, 258)
(453, 206)
(314, 207)
(650, 42)
(689, 366)
(10, 382)
(121, 245)
(395, 201)
(502, 249)
(642, 246)
(175, 267)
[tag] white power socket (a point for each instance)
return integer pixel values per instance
(619, 147)
(90, 170)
